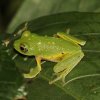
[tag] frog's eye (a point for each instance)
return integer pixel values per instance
(23, 48)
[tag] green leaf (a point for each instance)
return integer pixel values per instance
(31, 9)
(41, 90)
(83, 82)
(10, 78)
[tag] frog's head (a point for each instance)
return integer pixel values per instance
(22, 45)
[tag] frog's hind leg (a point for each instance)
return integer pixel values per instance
(63, 68)
(34, 71)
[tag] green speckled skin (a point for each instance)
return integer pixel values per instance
(63, 49)
(45, 46)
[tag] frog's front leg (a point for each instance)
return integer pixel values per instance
(34, 71)
(63, 68)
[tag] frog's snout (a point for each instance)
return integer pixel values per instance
(15, 45)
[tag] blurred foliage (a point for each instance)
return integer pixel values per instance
(31, 9)
(7, 10)
(23, 10)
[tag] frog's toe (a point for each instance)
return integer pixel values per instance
(63, 79)
(33, 73)
(27, 76)
(60, 76)
(56, 79)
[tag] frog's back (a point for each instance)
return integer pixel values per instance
(53, 44)
(62, 44)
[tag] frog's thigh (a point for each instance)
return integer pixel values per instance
(66, 65)
(70, 38)
(34, 71)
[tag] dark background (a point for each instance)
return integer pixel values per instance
(8, 9)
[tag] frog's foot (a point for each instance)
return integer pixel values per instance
(60, 76)
(34, 71)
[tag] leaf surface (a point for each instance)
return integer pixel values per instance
(83, 82)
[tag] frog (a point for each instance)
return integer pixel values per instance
(63, 49)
